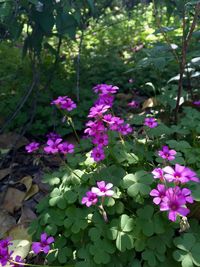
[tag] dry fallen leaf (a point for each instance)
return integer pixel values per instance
(4, 173)
(149, 103)
(19, 232)
(8, 140)
(33, 190)
(6, 222)
(13, 199)
(27, 181)
(27, 215)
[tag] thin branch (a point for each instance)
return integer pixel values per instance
(185, 42)
(78, 67)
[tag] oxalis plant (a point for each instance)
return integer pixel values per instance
(123, 196)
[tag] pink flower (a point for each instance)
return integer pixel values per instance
(150, 122)
(52, 146)
(98, 154)
(158, 174)
(125, 129)
(105, 99)
(94, 128)
(64, 102)
(100, 140)
(174, 203)
(66, 148)
(103, 189)
(180, 174)
(134, 104)
(105, 89)
(90, 199)
(197, 103)
(167, 153)
(158, 193)
(98, 111)
(116, 123)
(19, 260)
(32, 147)
(43, 245)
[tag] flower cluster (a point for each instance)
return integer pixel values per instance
(6, 255)
(150, 122)
(101, 121)
(102, 190)
(64, 102)
(172, 198)
(43, 245)
(55, 145)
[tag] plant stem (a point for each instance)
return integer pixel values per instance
(185, 43)
(69, 119)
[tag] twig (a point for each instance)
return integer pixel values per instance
(78, 67)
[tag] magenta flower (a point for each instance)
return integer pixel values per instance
(125, 129)
(105, 100)
(103, 189)
(158, 174)
(134, 104)
(32, 147)
(100, 140)
(105, 89)
(64, 102)
(197, 103)
(180, 174)
(43, 245)
(98, 154)
(90, 199)
(158, 193)
(187, 194)
(174, 203)
(150, 122)
(5, 255)
(98, 111)
(191, 175)
(94, 128)
(19, 260)
(66, 148)
(167, 153)
(116, 123)
(52, 146)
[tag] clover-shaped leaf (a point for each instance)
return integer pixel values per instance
(101, 250)
(76, 219)
(188, 250)
(121, 231)
(137, 183)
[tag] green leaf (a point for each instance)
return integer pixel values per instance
(149, 256)
(66, 24)
(187, 261)
(186, 242)
(138, 188)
